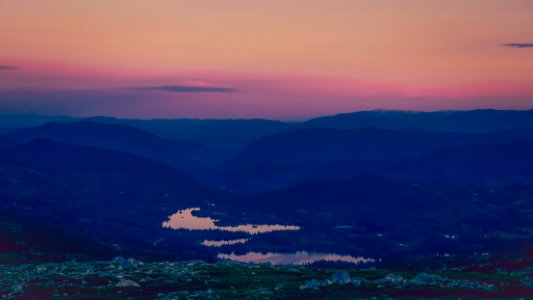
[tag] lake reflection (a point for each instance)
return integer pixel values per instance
(298, 258)
(223, 243)
(184, 219)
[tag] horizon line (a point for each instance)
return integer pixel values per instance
(264, 119)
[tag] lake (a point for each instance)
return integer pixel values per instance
(297, 258)
(184, 219)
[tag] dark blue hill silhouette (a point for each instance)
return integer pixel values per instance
(16, 121)
(237, 133)
(225, 134)
(493, 164)
(486, 163)
(5, 143)
(50, 153)
(109, 196)
(117, 198)
(323, 145)
(381, 216)
(188, 156)
(365, 195)
(51, 156)
(499, 164)
(482, 120)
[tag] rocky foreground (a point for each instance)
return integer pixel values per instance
(132, 279)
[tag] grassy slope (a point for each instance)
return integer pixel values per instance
(198, 280)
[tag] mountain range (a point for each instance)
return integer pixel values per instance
(324, 144)
(429, 185)
(485, 164)
(231, 134)
(189, 156)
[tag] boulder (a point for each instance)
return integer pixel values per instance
(341, 277)
(127, 283)
(427, 279)
(392, 280)
(311, 284)
(129, 263)
(357, 281)
(17, 288)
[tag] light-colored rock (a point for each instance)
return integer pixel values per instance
(17, 288)
(392, 280)
(427, 279)
(341, 277)
(357, 281)
(311, 284)
(129, 263)
(127, 283)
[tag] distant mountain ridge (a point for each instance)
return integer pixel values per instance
(118, 198)
(185, 155)
(326, 144)
(106, 195)
(481, 120)
(48, 152)
(291, 157)
(236, 133)
(496, 163)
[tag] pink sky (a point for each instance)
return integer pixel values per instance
(287, 59)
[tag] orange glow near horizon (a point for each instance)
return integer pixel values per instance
(338, 49)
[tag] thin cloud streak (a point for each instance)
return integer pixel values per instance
(186, 89)
(8, 68)
(519, 45)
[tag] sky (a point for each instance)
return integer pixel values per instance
(278, 59)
